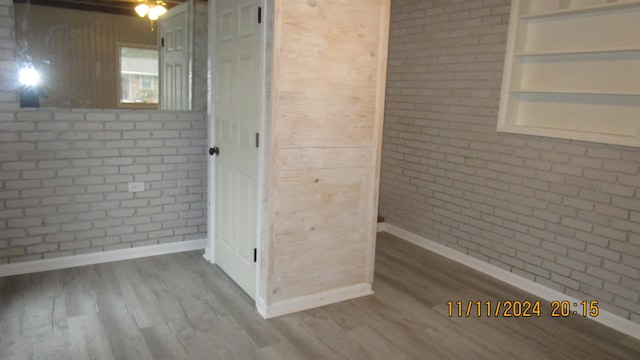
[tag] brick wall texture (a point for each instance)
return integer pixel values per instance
(64, 176)
(565, 214)
(8, 97)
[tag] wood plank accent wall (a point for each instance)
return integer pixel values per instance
(329, 75)
(78, 50)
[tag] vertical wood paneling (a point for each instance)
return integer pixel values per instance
(79, 52)
(328, 97)
(199, 69)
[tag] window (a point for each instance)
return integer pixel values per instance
(125, 88)
(571, 70)
(147, 82)
(138, 76)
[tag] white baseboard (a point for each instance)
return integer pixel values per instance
(28, 267)
(312, 301)
(604, 317)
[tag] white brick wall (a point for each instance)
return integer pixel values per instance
(565, 214)
(63, 188)
(8, 97)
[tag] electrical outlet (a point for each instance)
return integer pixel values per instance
(136, 186)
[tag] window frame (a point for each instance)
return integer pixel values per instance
(134, 105)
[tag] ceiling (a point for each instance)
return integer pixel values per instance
(121, 7)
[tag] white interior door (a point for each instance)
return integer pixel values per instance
(238, 103)
(174, 58)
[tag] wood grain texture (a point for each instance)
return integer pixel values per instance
(328, 76)
(179, 306)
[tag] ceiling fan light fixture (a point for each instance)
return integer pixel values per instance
(156, 11)
(142, 9)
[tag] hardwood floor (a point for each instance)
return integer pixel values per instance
(181, 307)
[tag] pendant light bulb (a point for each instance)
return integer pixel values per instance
(161, 10)
(142, 9)
(156, 11)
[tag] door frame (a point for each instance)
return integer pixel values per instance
(264, 120)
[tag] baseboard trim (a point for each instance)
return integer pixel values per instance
(606, 318)
(312, 301)
(28, 267)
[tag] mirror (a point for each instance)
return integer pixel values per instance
(97, 54)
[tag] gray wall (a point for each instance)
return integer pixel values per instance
(565, 214)
(64, 174)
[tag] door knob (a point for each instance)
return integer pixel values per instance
(214, 150)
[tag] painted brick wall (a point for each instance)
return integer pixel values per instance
(8, 97)
(565, 214)
(63, 184)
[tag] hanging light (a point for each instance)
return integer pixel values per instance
(142, 9)
(152, 9)
(156, 11)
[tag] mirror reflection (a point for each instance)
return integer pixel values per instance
(95, 54)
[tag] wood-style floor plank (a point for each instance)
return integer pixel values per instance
(163, 343)
(88, 338)
(181, 307)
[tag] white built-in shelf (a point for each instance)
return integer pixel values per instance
(583, 11)
(578, 52)
(575, 77)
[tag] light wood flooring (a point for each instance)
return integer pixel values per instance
(181, 307)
